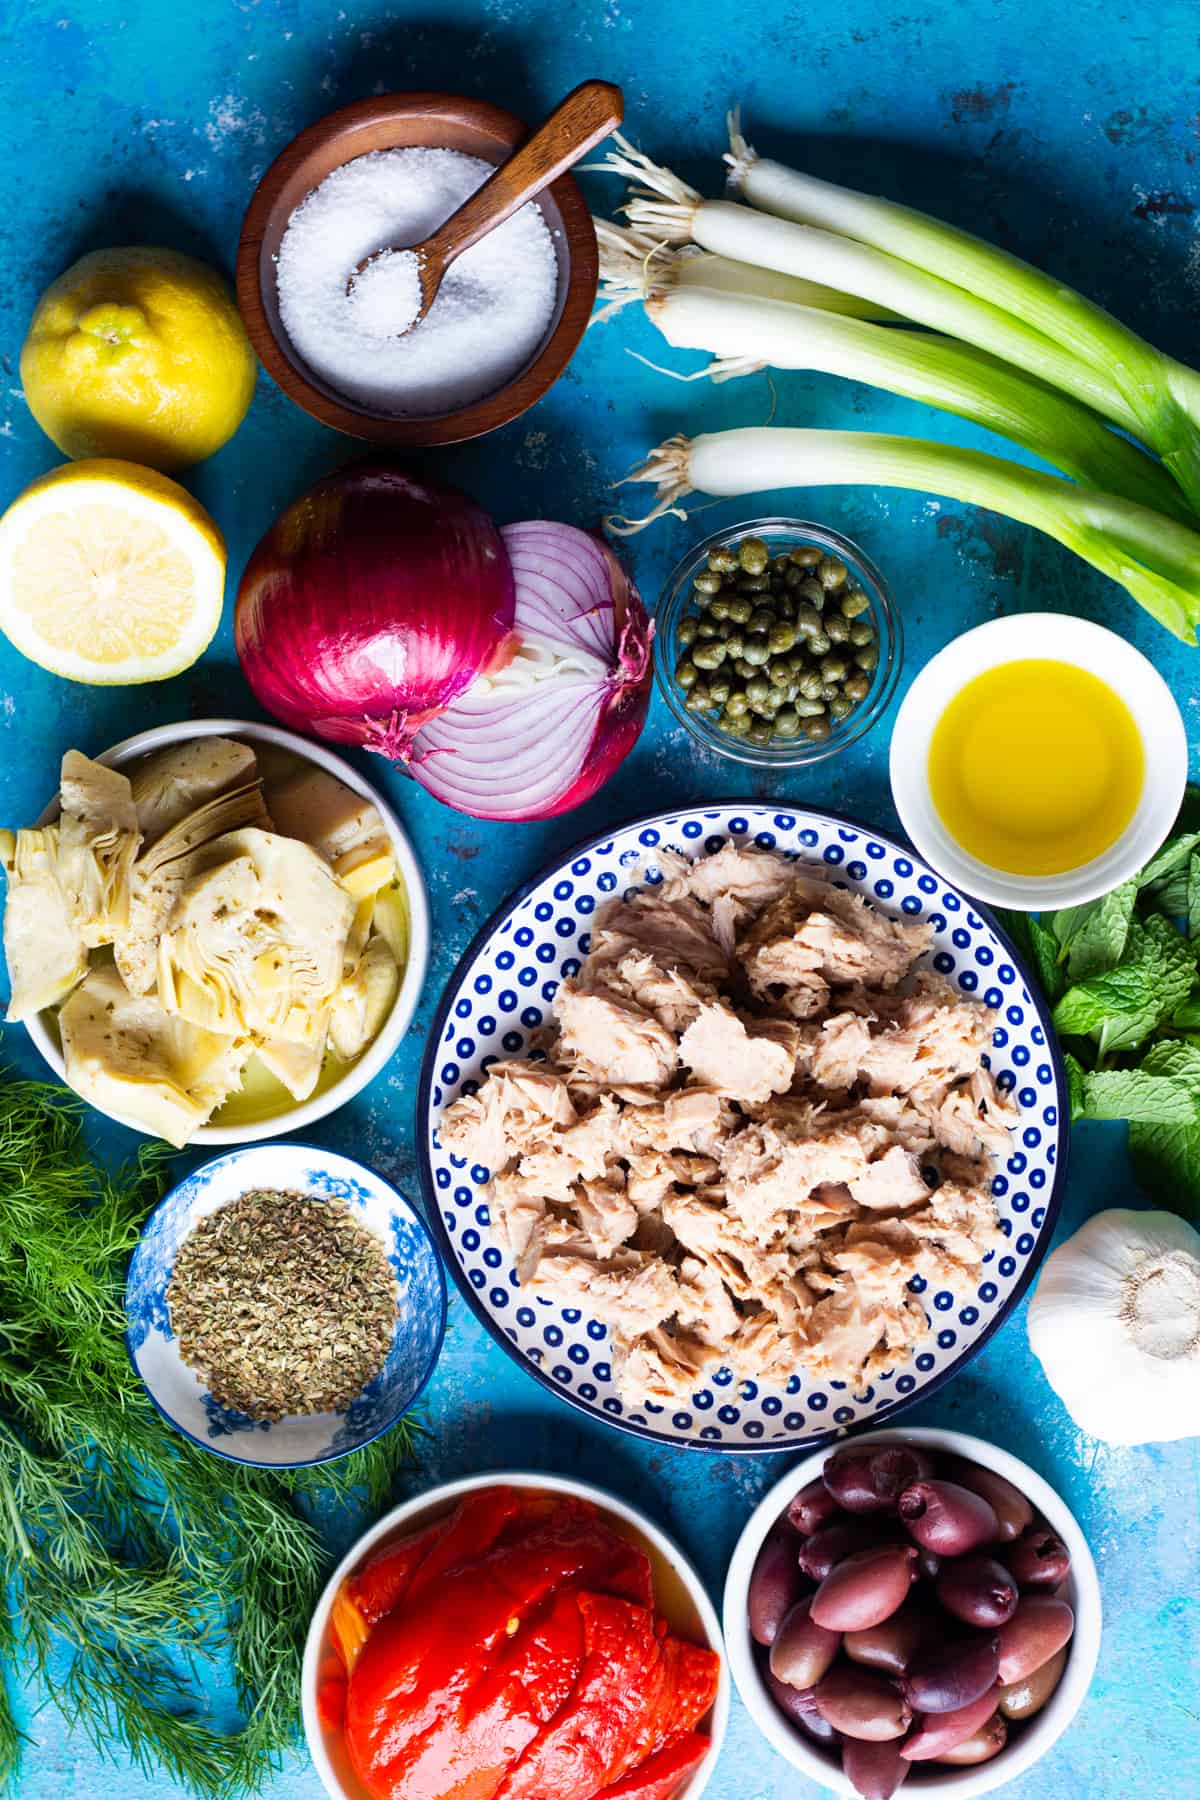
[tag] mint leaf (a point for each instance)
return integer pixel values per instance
(1038, 947)
(1076, 1076)
(1170, 859)
(1122, 1006)
(1166, 1153)
(1187, 1016)
(1131, 1094)
(1099, 943)
(1070, 920)
(1193, 896)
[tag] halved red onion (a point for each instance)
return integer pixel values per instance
(541, 734)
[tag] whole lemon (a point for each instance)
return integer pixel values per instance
(138, 353)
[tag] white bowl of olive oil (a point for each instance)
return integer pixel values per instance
(1038, 761)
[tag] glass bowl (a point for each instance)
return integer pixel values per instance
(780, 535)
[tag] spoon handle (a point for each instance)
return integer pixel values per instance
(587, 115)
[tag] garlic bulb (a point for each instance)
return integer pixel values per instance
(1115, 1323)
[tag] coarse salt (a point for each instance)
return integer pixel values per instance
(491, 313)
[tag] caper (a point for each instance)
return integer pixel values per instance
(752, 584)
(785, 606)
(743, 668)
(841, 707)
(831, 572)
(862, 633)
(718, 608)
(739, 608)
(813, 592)
(808, 620)
(778, 673)
(698, 700)
(833, 668)
(685, 672)
(857, 688)
(781, 637)
(720, 688)
(757, 689)
(707, 581)
(735, 641)
(735, 725)
(818, 730)
(761, 732)
(787, 722)
(854, 602)
(794, 578)
(836, 629)
(867, 658)
(724, 630)
(818, 643)
(756, 650)
(723, 560)
(780, 563)
(811, 685)
(798, 662)
(709, 656)
(737, 705)
(806, 556)
(762, 619)
(706, 628)
(753, 555)
(830, 690)
(810, 709)
(685, 631)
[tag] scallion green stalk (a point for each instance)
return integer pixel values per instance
(1162, 394)
(1156, 559)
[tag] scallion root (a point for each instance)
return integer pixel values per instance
(667, 467)
(659, 201)
(633, 266)
(740, 155)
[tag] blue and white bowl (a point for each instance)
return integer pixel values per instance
(180, 1394)
(501, 994)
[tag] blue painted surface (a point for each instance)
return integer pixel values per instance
(1068, 132)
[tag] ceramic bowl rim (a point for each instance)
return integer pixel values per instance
(800, 754)
(574, 300)
(932, 689)
(1041, 1733)
(442, 1238)
(307, 1462)
(448, 1491)
(378, 1053)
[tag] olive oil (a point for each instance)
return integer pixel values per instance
(1036, 767)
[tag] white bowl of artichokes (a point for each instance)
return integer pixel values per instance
(216, 931)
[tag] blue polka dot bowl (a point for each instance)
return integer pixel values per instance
(502, 993)
(294, 1442)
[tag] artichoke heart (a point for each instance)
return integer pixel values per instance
(98, 841)
(255, 942)
(364, 1001)
(343, 827)
(297, 1066)
(127, 1056)
(160, 873)
(42, 942)
(171, 785)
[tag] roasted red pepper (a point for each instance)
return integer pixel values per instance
(511, 1652)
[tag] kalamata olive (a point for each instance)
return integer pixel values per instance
(812, 1508)
(1040, 1626)
(798, 1706)
(948, 1676)
(986, 1743)
(862, 1705)
(874, 1771)
(889, 1647)
(947, 1518)
(1013, 1511)
(802, 1650)
(978, 1590)
(938, 1732)
(1038, 1559)
(864, 1590)
(775, 1584)
(825, 1549)
(1021, 1699)
(863, 1479)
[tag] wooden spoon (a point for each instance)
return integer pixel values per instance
(585, 117)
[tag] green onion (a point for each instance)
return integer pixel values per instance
(1156, 559)
(1162, 395)
(745, 330)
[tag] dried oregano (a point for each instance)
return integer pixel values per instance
(283, 1304)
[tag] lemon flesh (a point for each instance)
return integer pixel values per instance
(138, 353)
(110, 574)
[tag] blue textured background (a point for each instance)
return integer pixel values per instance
(1067, 131)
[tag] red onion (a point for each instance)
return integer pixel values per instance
(372, 603)
(542, 733)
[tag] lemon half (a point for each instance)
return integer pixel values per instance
(110, 573)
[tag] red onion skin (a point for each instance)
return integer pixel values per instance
(373, 564)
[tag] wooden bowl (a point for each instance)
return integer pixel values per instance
(401, 121)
